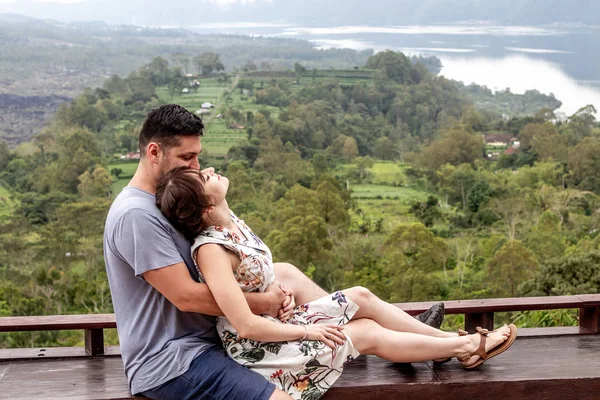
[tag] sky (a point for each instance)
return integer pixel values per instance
(219, 2)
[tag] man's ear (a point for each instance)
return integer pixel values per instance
(153, 152)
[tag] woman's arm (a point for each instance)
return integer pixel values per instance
(217, 268)
(175, 283)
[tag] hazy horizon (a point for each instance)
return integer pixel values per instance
(184, 13)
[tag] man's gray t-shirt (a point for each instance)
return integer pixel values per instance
(158, 342)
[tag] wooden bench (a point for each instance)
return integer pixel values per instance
(545, 363)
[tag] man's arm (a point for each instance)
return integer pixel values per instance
(175, 283)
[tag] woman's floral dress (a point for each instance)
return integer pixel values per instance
(305, 369)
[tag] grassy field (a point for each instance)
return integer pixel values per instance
(392, 212)
(384, 199)
(405, 195)
(118, 185)
(217, 138)
(128, 168)
(388, 173)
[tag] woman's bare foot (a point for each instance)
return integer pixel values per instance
(494, 339)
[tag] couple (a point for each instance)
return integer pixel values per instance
(169, 344)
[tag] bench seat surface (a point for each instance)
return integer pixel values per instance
(561, 367)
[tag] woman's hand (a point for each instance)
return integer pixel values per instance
(328, 334)
(287, 308)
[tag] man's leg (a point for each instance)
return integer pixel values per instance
(306, 291)
(213, 375)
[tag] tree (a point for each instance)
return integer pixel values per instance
(428, 211)
(581, 124)
(546, 240)
(385, 149)
(456, 182)
(419, 245)
(474, 119)
(78, 152)
(363, 164)
(549, 144)
(584, 165)
(478, 196)
(393, 65)
(574, 274)
(208, 62)
(413, 255)
(456, 147)
(299, 68)
(350, 149)
(512, 265)
(304, 241)
(39, 208)
(159, 71)
(95, 184)
(513, 210)
(4, 155)
(183, 60)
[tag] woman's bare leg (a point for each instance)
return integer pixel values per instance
(369, 337)
(279, 394)
(389, 316)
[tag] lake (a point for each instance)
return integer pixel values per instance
(559, 59)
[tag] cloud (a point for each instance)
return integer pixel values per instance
(229, 3)
(44, 1)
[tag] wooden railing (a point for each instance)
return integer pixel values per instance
(477, 313)
(481, 312)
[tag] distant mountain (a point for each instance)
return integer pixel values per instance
(317, 12)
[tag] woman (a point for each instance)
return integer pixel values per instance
(307, 352)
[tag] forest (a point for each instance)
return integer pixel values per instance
(387, 176)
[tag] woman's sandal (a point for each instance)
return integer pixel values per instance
(440, 361)
(501, 348)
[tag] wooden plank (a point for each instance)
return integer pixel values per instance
(503, 304)
(107, 321)
(580, 389)
(590, 300)
(589, 318)
(53, 353)
(483, 320)
(91, 378)
(555, 368)
(533, 359)
(57, 322)
(3, 369)
(94, 342)
(554, 331)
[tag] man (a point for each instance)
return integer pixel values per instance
(168, 339)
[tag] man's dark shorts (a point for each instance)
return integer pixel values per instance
(213, 375)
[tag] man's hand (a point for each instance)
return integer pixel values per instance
(278, 296)
(287, 308)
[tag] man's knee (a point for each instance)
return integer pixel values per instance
(285, 270)
(279, 394)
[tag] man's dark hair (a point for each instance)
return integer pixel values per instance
(165, 124)
(181, 198)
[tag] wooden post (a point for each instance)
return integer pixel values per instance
(484, 320)
(589, 318)
(94, 342)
